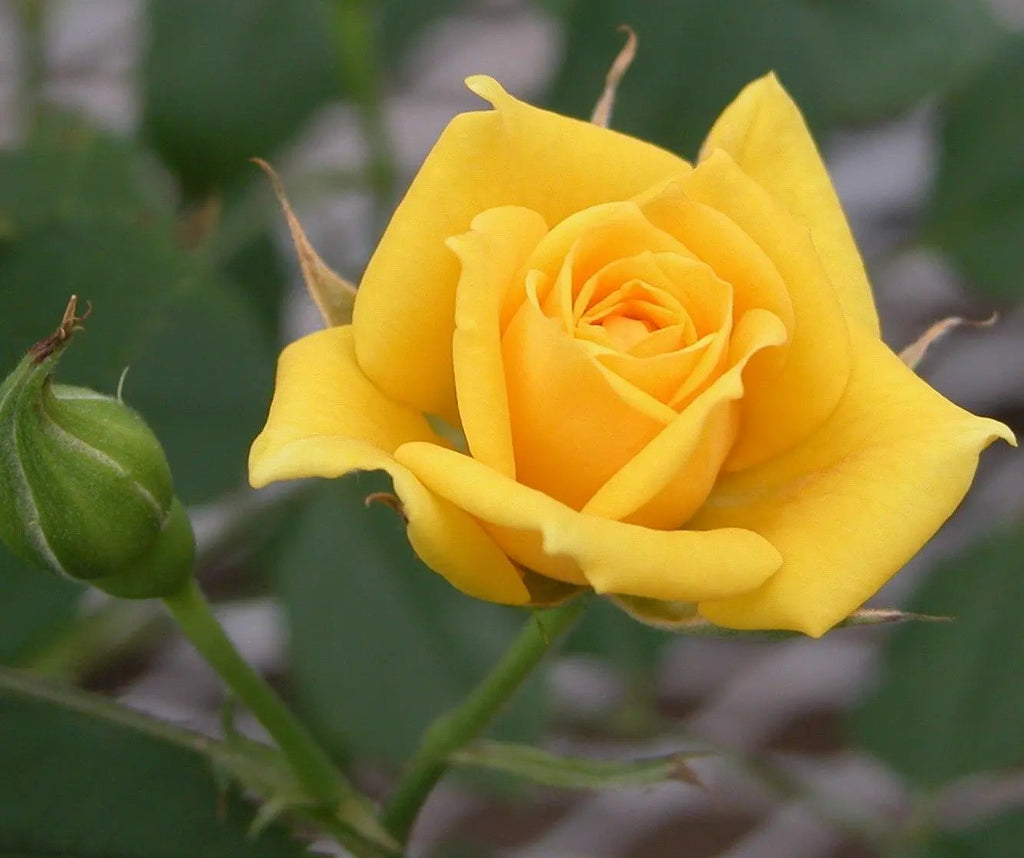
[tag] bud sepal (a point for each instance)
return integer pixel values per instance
(85, 488)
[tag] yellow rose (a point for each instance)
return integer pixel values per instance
(669, 377)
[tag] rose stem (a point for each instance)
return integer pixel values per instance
(455, 728)
(309, 761)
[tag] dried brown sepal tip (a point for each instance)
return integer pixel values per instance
(683, 772)
(913, 354)
(69, 323)
(602, 114)
(333, 295)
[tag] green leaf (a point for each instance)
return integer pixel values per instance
(260, 267)
(35, 606)
(951, 699)
(199, 367)
(380, 645)
(843, 62)
(542, 767)
(200, 364)
(976, 213)
(69, 169)
(74, 784)
(995, 838)
(227, 80)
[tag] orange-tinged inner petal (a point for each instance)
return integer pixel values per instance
(572, 428)
(579, 247)
(670, 478)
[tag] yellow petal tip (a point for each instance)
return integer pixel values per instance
(486, 87)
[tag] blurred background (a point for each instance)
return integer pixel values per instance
(126, 129)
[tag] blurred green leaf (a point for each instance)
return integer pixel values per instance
(259, 268)
(843, 61)
(995, 838)
(227, 80)
(80, 218)
(74, 785)
(200, 369)
(951, 699)
(34, 607)
(399, 22)
(977, 209)
(69, 169)
(380, 644)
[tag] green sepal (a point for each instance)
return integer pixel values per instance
(543, 767)
(683, 618)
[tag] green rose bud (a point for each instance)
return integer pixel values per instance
(85, 489)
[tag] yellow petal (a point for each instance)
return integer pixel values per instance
(675, 376)
(782, 405)
(766, 135)
(666, 481)
(492, 254)
(563, 269)
(513, 155)
(717, 241)
(320, 391)
(856, 500)
(443, 536)
(613, 557)
(573, 423)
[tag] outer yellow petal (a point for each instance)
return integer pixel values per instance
(443, 536)
(855, 501)
(327, 419)
(512, 155)
(765, 134)
(320, 391)
(613, 557)
(492, 254)
(782, 405)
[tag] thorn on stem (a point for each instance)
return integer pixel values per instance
(543, 631)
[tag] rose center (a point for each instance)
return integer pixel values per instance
(627, 316)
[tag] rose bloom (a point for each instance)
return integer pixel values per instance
(661, 381)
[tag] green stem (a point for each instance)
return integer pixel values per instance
(311, 764)
(454, 729)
